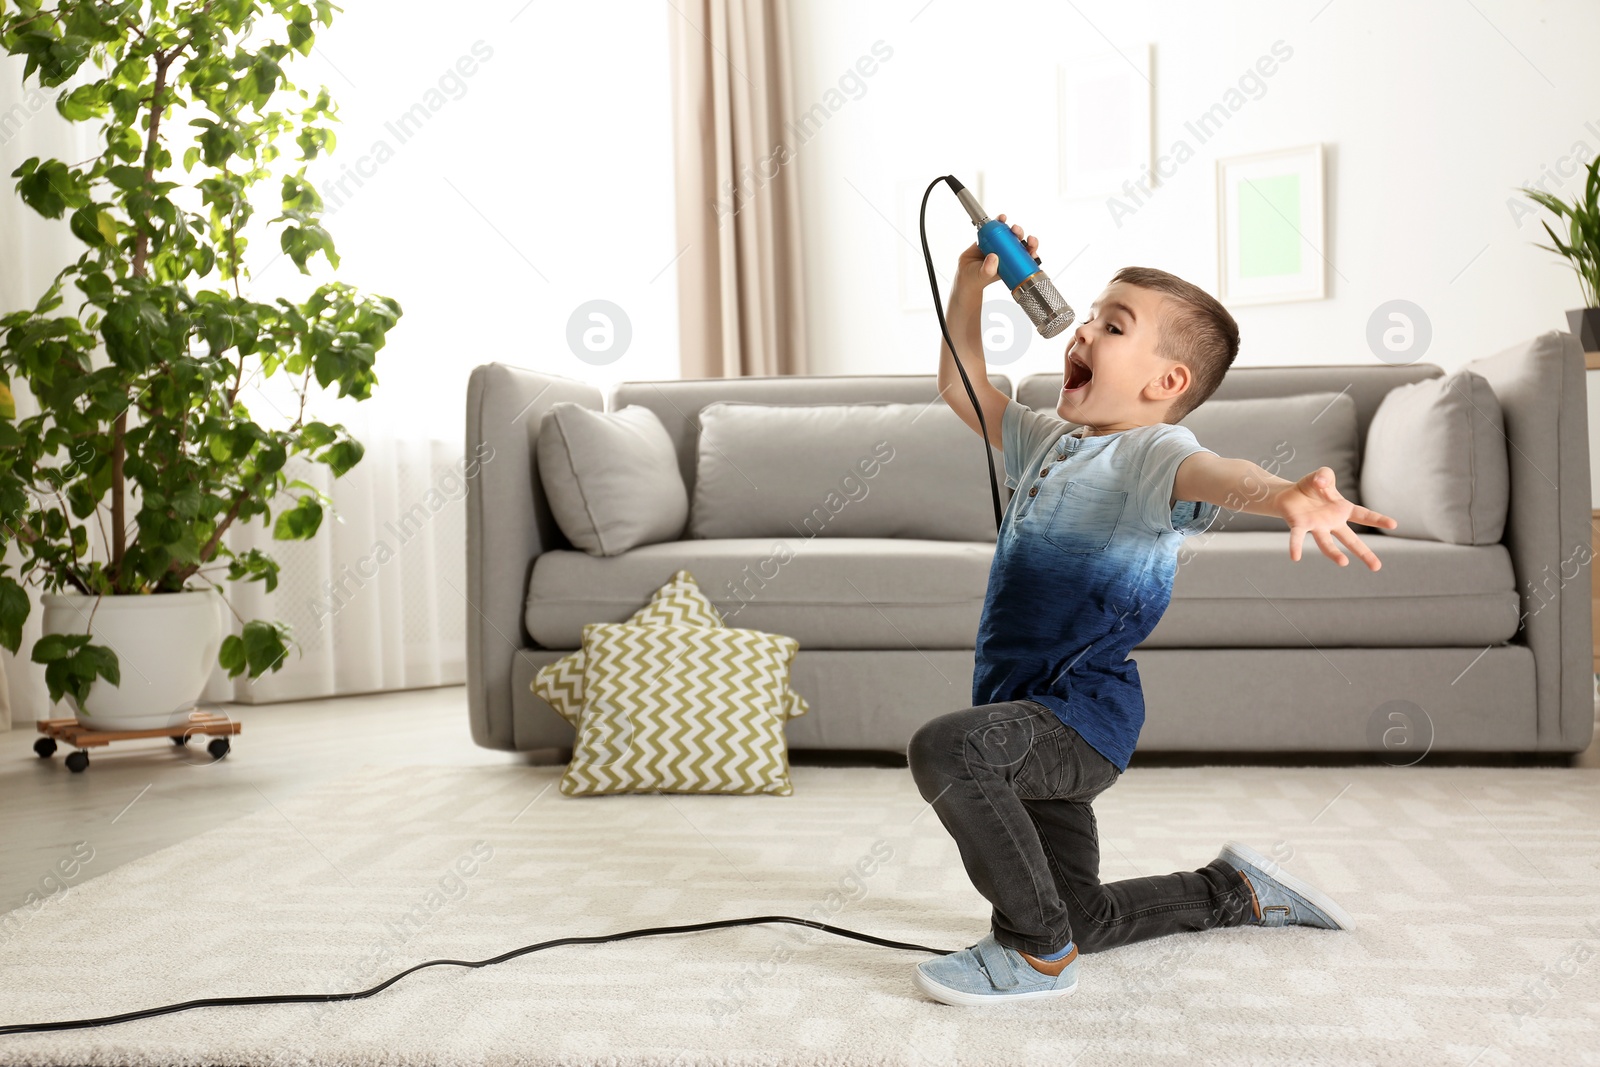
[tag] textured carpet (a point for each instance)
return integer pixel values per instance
(1477, 891)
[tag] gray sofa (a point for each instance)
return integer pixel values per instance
(1490, 643)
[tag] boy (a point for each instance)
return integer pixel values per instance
(1082, 573)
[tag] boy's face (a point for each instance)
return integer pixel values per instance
(1114, 379)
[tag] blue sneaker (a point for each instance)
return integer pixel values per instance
(991, 973)
(1283, 899)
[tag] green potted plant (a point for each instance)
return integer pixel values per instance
(1581, 248)
(138, 351)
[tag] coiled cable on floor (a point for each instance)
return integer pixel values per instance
(335, 998)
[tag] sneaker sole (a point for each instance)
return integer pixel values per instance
(946, 995)
(1274, 870)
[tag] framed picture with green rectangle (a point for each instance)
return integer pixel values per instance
(1270, 236)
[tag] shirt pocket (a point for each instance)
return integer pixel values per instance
(1085, 518)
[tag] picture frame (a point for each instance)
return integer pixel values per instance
(1105, 125)
(1271, 226)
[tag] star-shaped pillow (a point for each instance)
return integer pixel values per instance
(678, 603)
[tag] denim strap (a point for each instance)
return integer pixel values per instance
(997, 964)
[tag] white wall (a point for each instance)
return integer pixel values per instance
(541, 181)
(536, 175)
(1429, 115)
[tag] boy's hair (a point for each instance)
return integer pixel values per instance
(1196, 330)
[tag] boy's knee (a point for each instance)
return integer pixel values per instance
(929, 751)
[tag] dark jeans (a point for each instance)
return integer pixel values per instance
(1013, 784)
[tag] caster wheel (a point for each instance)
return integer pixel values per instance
(180, 740)
(78, 762)
(218, 748)
(45, 746)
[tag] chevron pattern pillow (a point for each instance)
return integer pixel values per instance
(678, 603)
(682, 709)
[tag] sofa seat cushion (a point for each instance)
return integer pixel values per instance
(834, 593)
(1233, 590)
(1241, 590)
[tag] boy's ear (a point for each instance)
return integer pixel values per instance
(1174, 381)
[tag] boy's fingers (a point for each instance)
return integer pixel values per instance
(1296, 536)
(1358, 547)
(1368, 517)
(1329, 548)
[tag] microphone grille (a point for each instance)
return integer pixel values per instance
(1049, 313)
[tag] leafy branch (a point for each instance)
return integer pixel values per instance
(139, 389)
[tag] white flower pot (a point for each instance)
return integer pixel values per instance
(166, 646)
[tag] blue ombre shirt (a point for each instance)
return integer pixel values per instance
(1083, 570)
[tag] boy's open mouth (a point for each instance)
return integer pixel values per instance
(1078, 375)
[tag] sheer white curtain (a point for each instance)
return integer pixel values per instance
(375, 599)
(495, 172)
(32, 251)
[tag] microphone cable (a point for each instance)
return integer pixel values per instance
(335, 998)
(938, 307)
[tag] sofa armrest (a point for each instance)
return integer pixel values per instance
(509, 524)
(1542, 393)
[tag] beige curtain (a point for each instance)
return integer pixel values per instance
(740, 302)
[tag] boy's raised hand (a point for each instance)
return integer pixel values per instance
(977, 270)
(1314, 505)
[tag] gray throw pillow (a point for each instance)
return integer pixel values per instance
(840, 470)
(611, 477)
(1289, 436)
(1436, 461)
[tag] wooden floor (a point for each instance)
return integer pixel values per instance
(141, 796)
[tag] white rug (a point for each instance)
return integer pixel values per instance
(1477, 891)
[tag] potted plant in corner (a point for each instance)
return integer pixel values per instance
(1582, 249)
(143, 443)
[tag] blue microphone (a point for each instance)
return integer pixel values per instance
(1030, 287)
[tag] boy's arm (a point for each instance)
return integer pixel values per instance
(963, 317)
(1311, 505)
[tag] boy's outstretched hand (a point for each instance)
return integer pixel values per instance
(1313, 505)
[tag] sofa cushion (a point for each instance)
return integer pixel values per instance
(1436, 462)
(1232, 590)
(682, 709)
(1240, 590)
(611, 477)
(839, 470)
(678, 603)
(825, 592)
(1289, 436)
